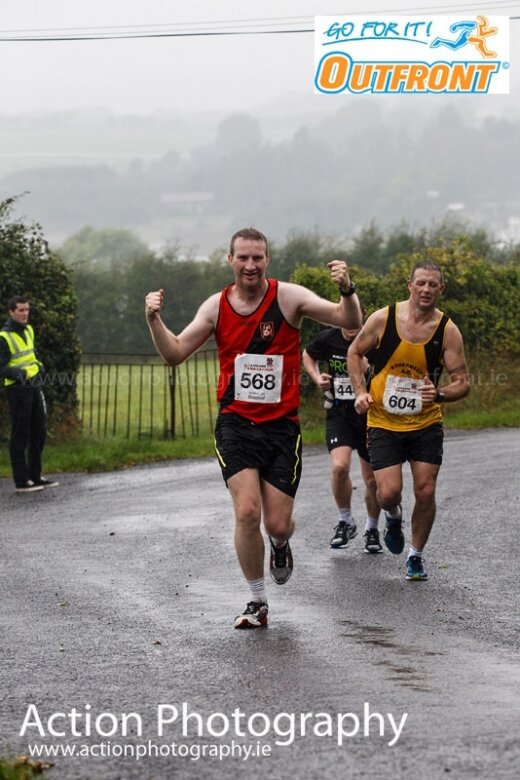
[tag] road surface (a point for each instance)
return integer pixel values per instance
(116, 636)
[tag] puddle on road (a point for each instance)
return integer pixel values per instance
(407, 676)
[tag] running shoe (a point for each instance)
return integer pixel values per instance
(28, 487)
(415, 569)
(372, 543)
(342, 534)
(393, 536)
(254, 615)
(281, 562)
(47, 483)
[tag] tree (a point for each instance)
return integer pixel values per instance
(303, 248)
(367, 247)
(237, 133)
(29, 268)
(106, 249)
(110, 305)
(112, 271)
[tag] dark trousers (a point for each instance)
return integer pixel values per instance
(28, 427)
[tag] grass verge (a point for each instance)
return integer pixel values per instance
(83, 454)
(90, 454)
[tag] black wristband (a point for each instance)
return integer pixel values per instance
(347, 293)
(440, 397)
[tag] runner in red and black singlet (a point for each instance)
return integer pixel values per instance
(256, 324)
(267, 334)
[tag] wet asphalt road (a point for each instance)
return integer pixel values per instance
(119, 593)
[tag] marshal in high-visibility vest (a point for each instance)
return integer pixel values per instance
(22, 352)
(21, 372)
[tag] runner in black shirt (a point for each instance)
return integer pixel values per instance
(345, 431)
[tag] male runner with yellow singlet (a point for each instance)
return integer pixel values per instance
(408, 345)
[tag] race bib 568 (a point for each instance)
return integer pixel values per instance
(258, 378)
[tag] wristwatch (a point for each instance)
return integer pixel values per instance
(347, 293)
(440, 397)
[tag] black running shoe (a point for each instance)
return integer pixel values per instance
(28, 487)
(393, 536)
(281, 562)
(372, 543)
(254, 615)
(342, 534)
(47, 483)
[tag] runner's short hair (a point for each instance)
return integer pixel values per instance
(429, 266)
(251, 234)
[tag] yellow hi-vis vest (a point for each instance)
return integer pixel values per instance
(22, 353)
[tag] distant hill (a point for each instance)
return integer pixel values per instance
(192, 178)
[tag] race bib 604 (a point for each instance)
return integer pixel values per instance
(402, 395)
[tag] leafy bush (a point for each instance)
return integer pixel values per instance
(482, 298)
(29, 268)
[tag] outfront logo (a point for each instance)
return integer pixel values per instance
(434, 54)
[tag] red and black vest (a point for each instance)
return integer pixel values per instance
(263, 332)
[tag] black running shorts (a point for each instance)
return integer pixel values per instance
(273, 448)
(346, 428)
(388, 448)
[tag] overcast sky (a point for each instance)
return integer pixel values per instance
(194, 73)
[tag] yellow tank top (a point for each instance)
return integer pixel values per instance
(399, 368)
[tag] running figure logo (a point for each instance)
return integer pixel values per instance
(469, 32)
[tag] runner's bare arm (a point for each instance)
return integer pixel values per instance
(366, 339)
(298, 301)
(312, 367)
(455, 364)
(175, 349)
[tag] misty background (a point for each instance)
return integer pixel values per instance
(193, 178)
(183, 139)
(140, 156)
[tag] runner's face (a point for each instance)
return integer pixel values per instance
(249, 261)
(425, 288)
(20, 313)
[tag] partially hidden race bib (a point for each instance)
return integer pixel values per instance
(258, 378)
(402, 395)
(343, 390)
